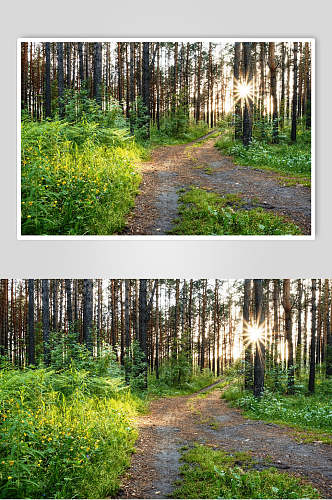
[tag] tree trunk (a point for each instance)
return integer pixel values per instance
(312, 372)
(146, 86)
(143, 319)
(47, 80)
(288, 332)
(248, 369)
(260, 347)
(247, 114)
(69, 304)
(97, 60)
(294, 101)
(88, 314)
(273, 82)
(236, 81)
(60, 80)
(299, 327)
(31, 323)
(46, 321)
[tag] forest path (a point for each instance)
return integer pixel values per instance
(202, 165)
(185, 420)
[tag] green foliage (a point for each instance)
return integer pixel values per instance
(67, 352)
(77, 178)
(135, 366)
(60, 438)
(140, 120)
(80, 108)
(172, 132)
(306, 411)
(169, 372)
(285, 157)
(207, 213)
(301, 410)
(211, 473)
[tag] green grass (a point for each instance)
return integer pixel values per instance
(70, 433)
(309, 415)
(288, 158)
(63, 435)
(169, 135)
(207, 213)
(212, 473)
(77, 178)
(167, 386)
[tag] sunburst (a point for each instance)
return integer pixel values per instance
(254, 333)
(243, 90)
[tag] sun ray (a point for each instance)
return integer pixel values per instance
(254, 333)
(243, 90)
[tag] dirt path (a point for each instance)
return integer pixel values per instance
(174, 422)
(175, 167)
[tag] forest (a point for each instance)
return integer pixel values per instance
(178, 388)
(129, 137)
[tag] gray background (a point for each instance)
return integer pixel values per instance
(138, 259)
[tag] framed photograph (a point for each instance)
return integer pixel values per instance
(166, 138)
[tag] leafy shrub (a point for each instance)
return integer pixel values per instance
(172, 133)
(135, 366)
(311, 412)
(288, 158)
(79, 107)
(59, 439)
(76, 179)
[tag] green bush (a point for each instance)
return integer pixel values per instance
(171, 132)
(77, 179)
(285, 157)
(309, 412)
(60, 438)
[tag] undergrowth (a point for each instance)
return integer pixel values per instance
(177, 130)
(207, 213)
(68, 431)
(288, 158)
(77, 178)
(310, 413)
(63, 435)
(212, 473)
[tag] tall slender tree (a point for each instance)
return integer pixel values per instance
(31, 323)
(47, 80)
(247, 75)
(88, 313)
(312, 373)
(97, 74)
(60, 80)
(294, 100)
(46, 320)
(259, 365)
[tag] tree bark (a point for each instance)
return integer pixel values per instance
(60, 80)
(259, 366)
(46, 321)
(88, 313)
(294, 101)
(31, 323)
(248, 368)
(288, 332)
(312, 372)
(236, 81)
(247, 75)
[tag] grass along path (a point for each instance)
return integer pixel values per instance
(206, 419)
(173, 169)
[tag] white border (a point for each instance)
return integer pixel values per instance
(172, 237)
